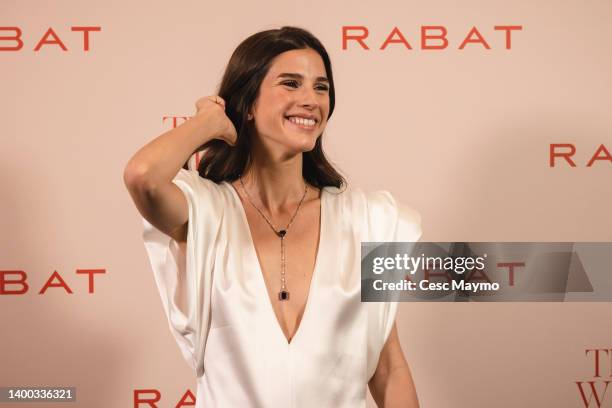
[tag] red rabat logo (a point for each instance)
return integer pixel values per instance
(11, 38)
(565, 151)
(432, 37)
(16, 282)
(141, 401)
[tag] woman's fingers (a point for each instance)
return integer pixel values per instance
(217, 99)
(222, 127)
(212, 98)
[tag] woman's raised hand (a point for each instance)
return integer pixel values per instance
(212, 108)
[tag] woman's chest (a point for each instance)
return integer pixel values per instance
(287, 264)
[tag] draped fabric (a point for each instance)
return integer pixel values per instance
(217, 306)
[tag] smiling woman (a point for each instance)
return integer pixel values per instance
(256, 254)
(293, 103)
(271, 76)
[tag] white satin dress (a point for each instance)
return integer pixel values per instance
(217, 305)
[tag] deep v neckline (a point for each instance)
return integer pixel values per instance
(262, 283)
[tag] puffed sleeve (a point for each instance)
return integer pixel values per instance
(183, 272)
(388, 221)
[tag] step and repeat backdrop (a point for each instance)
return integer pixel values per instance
(490, 118)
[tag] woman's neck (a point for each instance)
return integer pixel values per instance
(275, 186)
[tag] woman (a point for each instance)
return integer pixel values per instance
(257, 253)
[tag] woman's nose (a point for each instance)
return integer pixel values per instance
(308, 97)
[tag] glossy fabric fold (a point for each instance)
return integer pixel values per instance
(220, 314)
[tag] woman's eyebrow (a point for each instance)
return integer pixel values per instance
(299, 76)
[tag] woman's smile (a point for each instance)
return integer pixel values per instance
(301, 122)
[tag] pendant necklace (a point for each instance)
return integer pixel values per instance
(284, 293)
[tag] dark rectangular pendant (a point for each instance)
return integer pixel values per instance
(283, 295)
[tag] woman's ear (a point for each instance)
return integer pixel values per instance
(250, 115)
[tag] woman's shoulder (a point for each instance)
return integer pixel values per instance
(353, 205)
(199, 184)
(383, 217)
(193, 179)
(357, 199)
(204, 193)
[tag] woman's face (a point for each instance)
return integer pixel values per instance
(293, 103)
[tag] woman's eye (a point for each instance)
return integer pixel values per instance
(295, 84)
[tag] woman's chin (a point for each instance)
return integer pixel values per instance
(301, 138)
(300, 142)
(295, 143)
(305, 145)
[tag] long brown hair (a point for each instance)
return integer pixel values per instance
(239, 88)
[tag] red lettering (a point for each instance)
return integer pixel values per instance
(596, 359)
(56, 40)
(510, 266)
(86, 31)
(598, 401)
(174, 119)
(183, 401)
(16, 38)
(21, 281)
(187, 400)
(433, 37)
(482, 276)
(479, 39)
(49, 37)
(150, 402)
(508, 30)
(390, 39)
(358, 38)
(49, 284)
(425, 36)
(55, 280)
(428, 275)
(91, 273)
(566, 155)
(606, 155)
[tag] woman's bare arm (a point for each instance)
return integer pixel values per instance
(148, 174)
(391, 385)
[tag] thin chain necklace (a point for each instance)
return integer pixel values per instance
(283, 294)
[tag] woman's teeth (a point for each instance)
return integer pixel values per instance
(301, 121)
